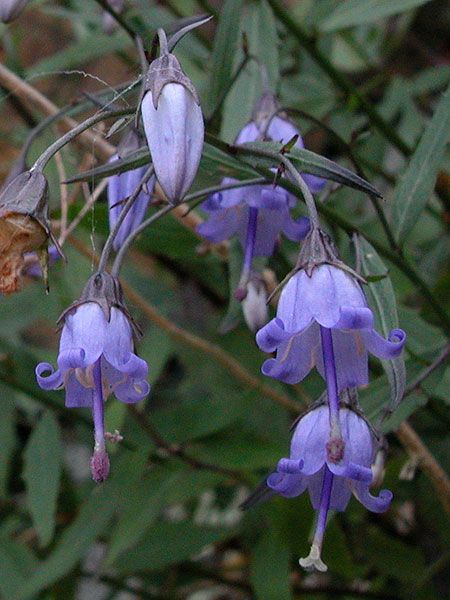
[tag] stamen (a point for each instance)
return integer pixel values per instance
(314, 560)
(241, 291)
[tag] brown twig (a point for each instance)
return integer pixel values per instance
(30, 95)
(426, 461)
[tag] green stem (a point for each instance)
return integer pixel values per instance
(43, 159)
(340, 80)
(166, 209)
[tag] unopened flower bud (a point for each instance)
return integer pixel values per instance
(254, 305)
(173, 124)
(24, 226)
(10, 9)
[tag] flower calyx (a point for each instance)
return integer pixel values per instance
(24, 227)
(163, 70)
(319, 249)
(106, 291)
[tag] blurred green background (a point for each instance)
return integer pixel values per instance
(167, 524)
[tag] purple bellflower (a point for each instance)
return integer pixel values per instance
(96, 358)
(330, 474)
(323, 321)
(173, 124)
(257, 214)
(120, 187)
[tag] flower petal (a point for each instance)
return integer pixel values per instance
(286, 485)
(295, 358)
(84, 328)
(387, 349)
(53, 381)
(175, 134)
(376, 504)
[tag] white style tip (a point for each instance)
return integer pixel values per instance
(313, 561)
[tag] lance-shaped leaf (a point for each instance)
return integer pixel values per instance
(225, 42)
(414, 188)
(383, 304)
(43, 462)
(133, 160)
(355, 12)
(309, 162)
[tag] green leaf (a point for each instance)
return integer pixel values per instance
(310, 162)
(42, 473)
(225, 43)
(80, 53)
(270, 568)
(356, 12)
(90, 522)
(414, 188)
(146, 501)
(258, 24)
(382, 300)
(138, 158)
(17, 562)
(234, 312)
(168, 543)
(7, 437)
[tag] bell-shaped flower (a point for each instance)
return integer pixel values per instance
(257, 214)
(96, 359)
(330, 480)
(323, 321)
(173, 125)
(10, 9)
(120, 187)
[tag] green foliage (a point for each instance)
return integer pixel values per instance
(167, 523)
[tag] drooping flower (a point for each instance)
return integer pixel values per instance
(258, 214)
(24, 226)
(10, 9)
(323, 321)
(173, 124)
(96, 359)
(330, 480)
(120, 187)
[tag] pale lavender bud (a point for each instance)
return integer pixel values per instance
(254, 305)
(175, 132)
(10, 9)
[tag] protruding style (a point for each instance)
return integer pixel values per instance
(96, 359)
(173, 124)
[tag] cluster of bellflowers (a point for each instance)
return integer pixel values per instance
(323, 319)
(258, 214)
(97, 357)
